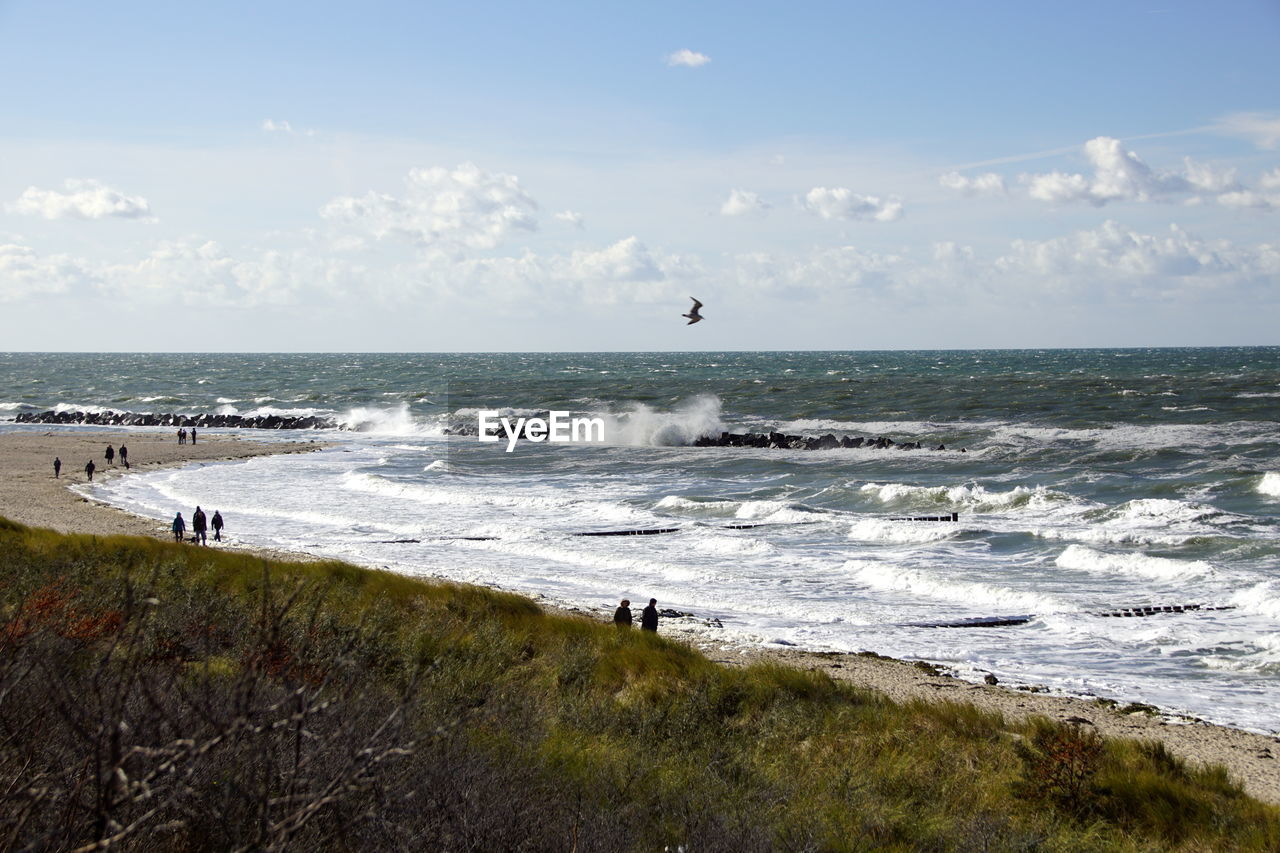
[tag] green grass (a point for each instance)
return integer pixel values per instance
(173, 697)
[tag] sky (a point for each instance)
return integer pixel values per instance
(409, 176)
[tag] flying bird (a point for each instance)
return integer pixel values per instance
(693, 314)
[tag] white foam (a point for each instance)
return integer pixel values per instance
(971, 497)
(776, 512)
(1261, 598)
(643, 425)
(891, 576)
(676, 503)
(1080, 558)
(9, 407)
(1165, 511)
(437, 465)
(441, 495)
(1269, 484)
(397, 421)
(900, 532)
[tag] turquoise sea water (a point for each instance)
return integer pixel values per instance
(1092, 480)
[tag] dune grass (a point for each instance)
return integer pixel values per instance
(158, 696)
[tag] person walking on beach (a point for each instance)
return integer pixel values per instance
(217, 526)
(110, 454)
(622, 616)
(89, 468)
(124, 457)
(182, 436)
(198, 527)
(179, 527)
(57, 467)
(649, 617)
(193, 435)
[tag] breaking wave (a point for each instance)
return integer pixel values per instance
(1080, 558)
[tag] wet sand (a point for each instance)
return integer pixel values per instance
(29, 494)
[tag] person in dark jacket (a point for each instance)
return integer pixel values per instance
(179, 527)
(57, 467)
(622, 616)
(198, 527)
(217, 526)
(193, 435)
(124, 456)
(110, 454)
(649, 616)
(89, 468)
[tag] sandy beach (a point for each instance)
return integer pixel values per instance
(31, 495)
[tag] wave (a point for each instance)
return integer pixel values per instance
(777, 512)
(893, 577)
(1080, 558)
(1164, 511)
(437, 465)
(1269, 484)
(676, 503)
(1261, 598)
(397, 421)
(969, 497)
(900, 532)
(642, 425)
(440, 495)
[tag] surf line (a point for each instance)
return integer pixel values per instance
(640, 531)
(1124, 612)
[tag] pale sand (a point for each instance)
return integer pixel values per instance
(29, 494)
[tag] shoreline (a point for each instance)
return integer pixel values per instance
(35, 498)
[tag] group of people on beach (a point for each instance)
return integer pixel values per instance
(183, 435)
(89, 467)
(648, 616)
(199, 527)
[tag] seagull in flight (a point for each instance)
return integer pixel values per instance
(693, 314)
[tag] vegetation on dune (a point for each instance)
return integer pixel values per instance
(159, 696)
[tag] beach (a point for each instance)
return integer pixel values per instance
(34, 497)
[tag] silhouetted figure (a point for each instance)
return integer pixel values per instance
(110, 454)
(89, 468)
(198, 527)
(179, 527)
(182, 436)
(622, 616)
(193, 435)
(649, 616)
(217, 526)
(124, 457)
(57, 467)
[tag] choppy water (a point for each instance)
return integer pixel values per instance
(1092, 480)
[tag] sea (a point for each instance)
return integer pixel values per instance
(1091, 483)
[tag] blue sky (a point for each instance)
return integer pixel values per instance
(407, 176)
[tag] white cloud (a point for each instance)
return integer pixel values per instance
(627, 271)
(202, 272)
(844, 203)
(458, 208)
(571, 218)
(273, 126)
(988, 183)
(1262, 129)
(84, 199)
(1206, 179)
(1116, 254)
(742, 203)
(687, 58)
(1270, 180)
(25, 273)
(1118, 175)
(820, 275)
